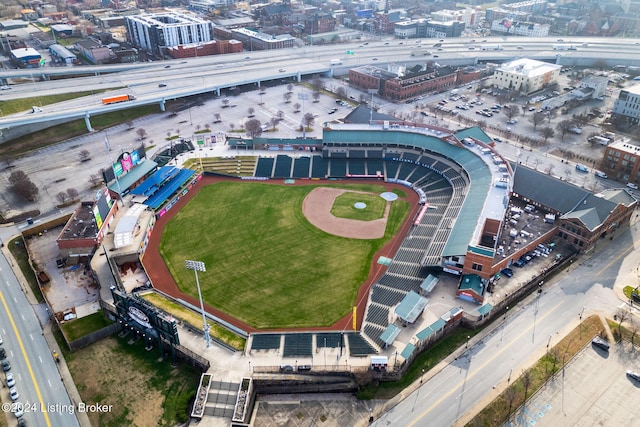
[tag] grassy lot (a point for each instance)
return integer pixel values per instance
(142, 390)
(421, 364)
(503, 406)
(258, 247)
(19, 252)
(195, 319)
(343, 206)
(85, 325)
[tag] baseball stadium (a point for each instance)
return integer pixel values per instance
(323, 241)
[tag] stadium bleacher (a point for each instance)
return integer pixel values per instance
(265, 341)
(359, 346)
(328, 339)
(297, 345)
(337, 167)
(319, 167)
(377, 314)
(357, 167)
(283, 166)
(301, 167)
(264, 168)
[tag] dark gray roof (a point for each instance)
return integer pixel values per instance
(551, 192)
(362, 114)
(595, 208)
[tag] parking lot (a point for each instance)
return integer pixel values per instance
(593, 390)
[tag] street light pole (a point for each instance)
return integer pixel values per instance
(199, 266)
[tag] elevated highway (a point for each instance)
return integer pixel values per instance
(194, 76)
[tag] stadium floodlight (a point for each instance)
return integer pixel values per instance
(199, 266)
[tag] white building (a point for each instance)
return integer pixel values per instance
(467, 16)
(154, 32)
(627, 106)
(519, 28)
(525, 75)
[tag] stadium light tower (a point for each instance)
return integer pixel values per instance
(199, 266)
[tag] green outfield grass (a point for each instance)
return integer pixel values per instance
(266, 264)
(343, 206)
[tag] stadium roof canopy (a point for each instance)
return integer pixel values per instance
(411, 307)
(126, 227)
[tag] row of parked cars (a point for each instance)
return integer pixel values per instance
(11, 383)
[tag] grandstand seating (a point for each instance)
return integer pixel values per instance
(359, 346)
(377, 314)
(301, 167)
(357, 154)
(357, 167)
(374, 154)
(337, 167)
(319, 167)
(374, 166)
(264, 168)
(392, 169)
(373, 333)
(405, 170)
(265, 341)
(386, 296)
(330, 339)
(283, 167)
(297, 345)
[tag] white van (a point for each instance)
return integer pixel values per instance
(35, 109)
(601, 175)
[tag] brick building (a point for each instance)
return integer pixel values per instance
(215, 47)
(621, 161)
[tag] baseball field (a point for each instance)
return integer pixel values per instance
(266, 265)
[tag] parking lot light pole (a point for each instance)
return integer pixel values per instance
(199, 266)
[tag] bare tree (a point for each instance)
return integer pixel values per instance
(216, 118)
(634, 326)
(316, 96)
(198, 127)
(289, 87)
(622, 315)
(94, 179)
(84, 155)
(250, 111)
(72, 193)
(296, 107)
(316, 83)
(526, 380)
(142, 134)
(225, 103)
(274, 122)
(61, 197)
(510, 396)
(23, 186)
(547, 133)
(280, 114)
(510, 111)
(563, 127)
(308, 120)
(129, 125)
(232, 126)
(287, 97)
(536, 119)
(253, 128)
(341, 92)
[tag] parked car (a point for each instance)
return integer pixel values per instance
(633, 375)
(601, 175)
(507, 272)
(13, 393)
(5, 87)
(600, 343)
(6, 366)
(632, 186)
(10, 380)
(519, 263)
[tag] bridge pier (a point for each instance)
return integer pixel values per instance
(298, 77)
(87, 122)
(162, 105)
(217, 91)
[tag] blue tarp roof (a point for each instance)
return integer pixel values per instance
(155, 181)
(390, 334)
(411, 307)
(408, 351)
(157, 200)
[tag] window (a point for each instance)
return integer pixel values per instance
(476, 267)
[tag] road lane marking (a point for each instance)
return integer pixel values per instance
(473, 374)
(26, 358)
(623, 254)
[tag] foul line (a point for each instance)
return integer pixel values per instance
(24, 353)
(471, 375)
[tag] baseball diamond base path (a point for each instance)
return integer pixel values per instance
(163, 281)
(316, 207)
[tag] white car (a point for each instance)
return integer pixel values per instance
(13, 392)
(5, 87)
(1, 342)
(632, 186)
(633, 374)
(10, 380)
